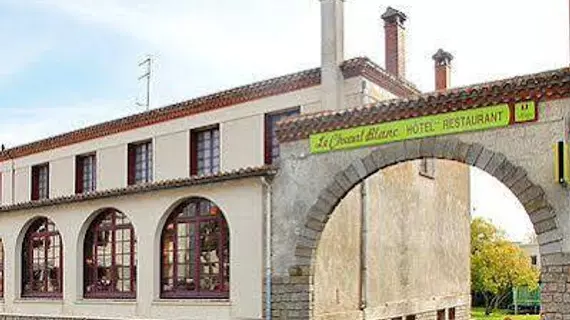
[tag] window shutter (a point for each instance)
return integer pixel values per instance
(35, 184)
(131, 165)
(193, 153)
(47, 181)
(78, 174)
(268, 139)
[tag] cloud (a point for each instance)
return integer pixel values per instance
(27, 124)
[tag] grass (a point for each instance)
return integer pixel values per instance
(479, 314)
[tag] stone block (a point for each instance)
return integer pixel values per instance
(514, 176)
(520, 186)
(496, 161)
(473, 153)
(360, 169)
(542, 214)
(545, 226)
(483, 159)
(412, 149)
(352, 175)
(341, 179)
(427, 147)
(302, 251)
(315, 224)
(553, 247)
(461, 152)
(369, 164)
(450, 148)
(535, 204)
(504, 170)
(549, 236)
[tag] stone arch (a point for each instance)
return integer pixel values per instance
(530, 194)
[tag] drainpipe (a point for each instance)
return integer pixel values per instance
(363, 246)
(267, 212)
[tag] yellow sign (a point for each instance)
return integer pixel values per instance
(525, 111)
(421, 127)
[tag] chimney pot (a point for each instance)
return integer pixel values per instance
(442, 61)
(395, 42)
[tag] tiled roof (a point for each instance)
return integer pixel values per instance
(280, 85)
(546, 85)
(147, 187)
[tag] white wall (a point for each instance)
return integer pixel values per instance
(240, 200)
(64, 170)
(172, 155)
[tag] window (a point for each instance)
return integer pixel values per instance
(441, 314)
(140, 162)
(411, 317)
(40, 182)
(205, 146)
(451, 314)
(533, 260)
(427, 168)
(195, 252)
(271, 143)
(42, 260)
(110, 257)
(85, 173)
(1, 269)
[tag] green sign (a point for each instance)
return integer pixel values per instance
(525, 111)
(428, 126)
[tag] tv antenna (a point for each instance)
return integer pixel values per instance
(148, 63)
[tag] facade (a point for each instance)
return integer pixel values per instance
(166, 214)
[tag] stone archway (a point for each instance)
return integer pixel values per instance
(293, 286)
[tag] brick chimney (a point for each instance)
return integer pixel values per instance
(332, 54)
(442, 69)
(395, 42)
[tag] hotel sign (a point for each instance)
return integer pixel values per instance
(478, 119)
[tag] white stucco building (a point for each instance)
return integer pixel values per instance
(163, 214)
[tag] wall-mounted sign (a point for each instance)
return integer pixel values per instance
(441, 124)
(525, 111)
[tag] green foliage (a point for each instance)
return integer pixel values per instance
(479, 314)
(497, 265)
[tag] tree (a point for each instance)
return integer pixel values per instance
(497, 265)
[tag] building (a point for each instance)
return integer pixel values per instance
(163, 214)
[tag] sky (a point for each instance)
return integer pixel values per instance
(70, 63)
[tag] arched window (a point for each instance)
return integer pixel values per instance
(195, 252)
(42, 260)
(110, 257)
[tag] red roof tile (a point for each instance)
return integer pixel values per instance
(540, 86)
(147, 187)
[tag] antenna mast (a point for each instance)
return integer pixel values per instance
(146, 75)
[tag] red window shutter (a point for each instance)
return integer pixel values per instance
(35, 184)
(131, 165)
(79, 174)
(193, 153)
(268, 141)
(47, 181)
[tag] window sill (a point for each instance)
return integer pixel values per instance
(192, 302)
(106, 301)
(39, 300)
